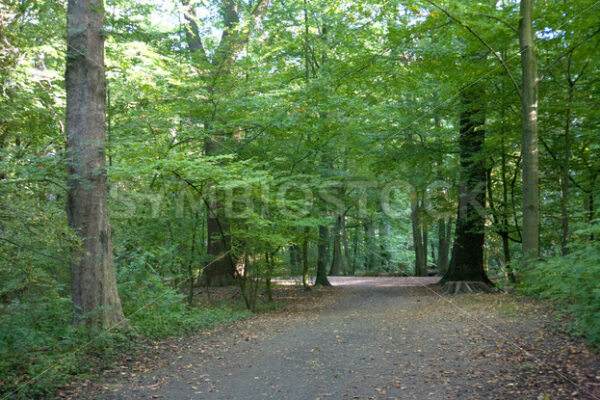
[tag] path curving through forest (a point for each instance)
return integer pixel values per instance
(373, 338)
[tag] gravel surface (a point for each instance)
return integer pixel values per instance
(372, 338)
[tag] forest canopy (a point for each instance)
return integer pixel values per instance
(170, 145)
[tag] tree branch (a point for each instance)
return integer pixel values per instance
(556, 159)
(192, 31)
(566, 53)
(512, 28)
(494, 52)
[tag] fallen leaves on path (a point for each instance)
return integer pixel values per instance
(368, 341)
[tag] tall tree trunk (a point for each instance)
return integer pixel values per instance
(384, 234)
(355, 252)
(589, 204)
(295, 260)
(467, 262)
(564, 198)
(529, 115)
(190, 269)
(96, 302)
(323, 256)
(369, 247)
(425, 238)
(443, 245)
(220, 271)
(337, 262)
(270, 270)
(504, 214)
(418, 231)
(348, 262)
(305, 259)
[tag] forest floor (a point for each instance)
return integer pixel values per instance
(367, 338)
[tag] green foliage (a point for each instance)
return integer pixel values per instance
(40, 351)
(324, 94)
(157, 310)
(572, 284)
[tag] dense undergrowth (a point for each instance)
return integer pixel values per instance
(572, 284)
(40, 351)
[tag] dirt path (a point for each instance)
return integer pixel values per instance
(384, 338)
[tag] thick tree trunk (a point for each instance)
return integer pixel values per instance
(220, 270)
(529, 115)
(467, 262)
(323, 257)
(96, 302)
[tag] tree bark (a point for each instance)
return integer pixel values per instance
(346, 249)
(369, 248)
(529, 115)
(443, 245)
(337, 263)
(425, 238)
(96, 302)
(295, 260)
(384, 232)
(355, 252)
(220, 271)
(504, 214)
(323, 257)
(305, 259)
(467, 262)
(564, 203)
(564, 198)
(419, 241)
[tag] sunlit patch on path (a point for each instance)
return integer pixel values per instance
(367, 281)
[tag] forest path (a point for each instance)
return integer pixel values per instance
(383, 338)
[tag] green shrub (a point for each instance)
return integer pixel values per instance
(572, 282)
(40, 351)
(156, 310)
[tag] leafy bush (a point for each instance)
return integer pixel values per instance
(572, 282)
(156, 310)
(40, 351)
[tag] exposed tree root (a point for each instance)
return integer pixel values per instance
(469, 287)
